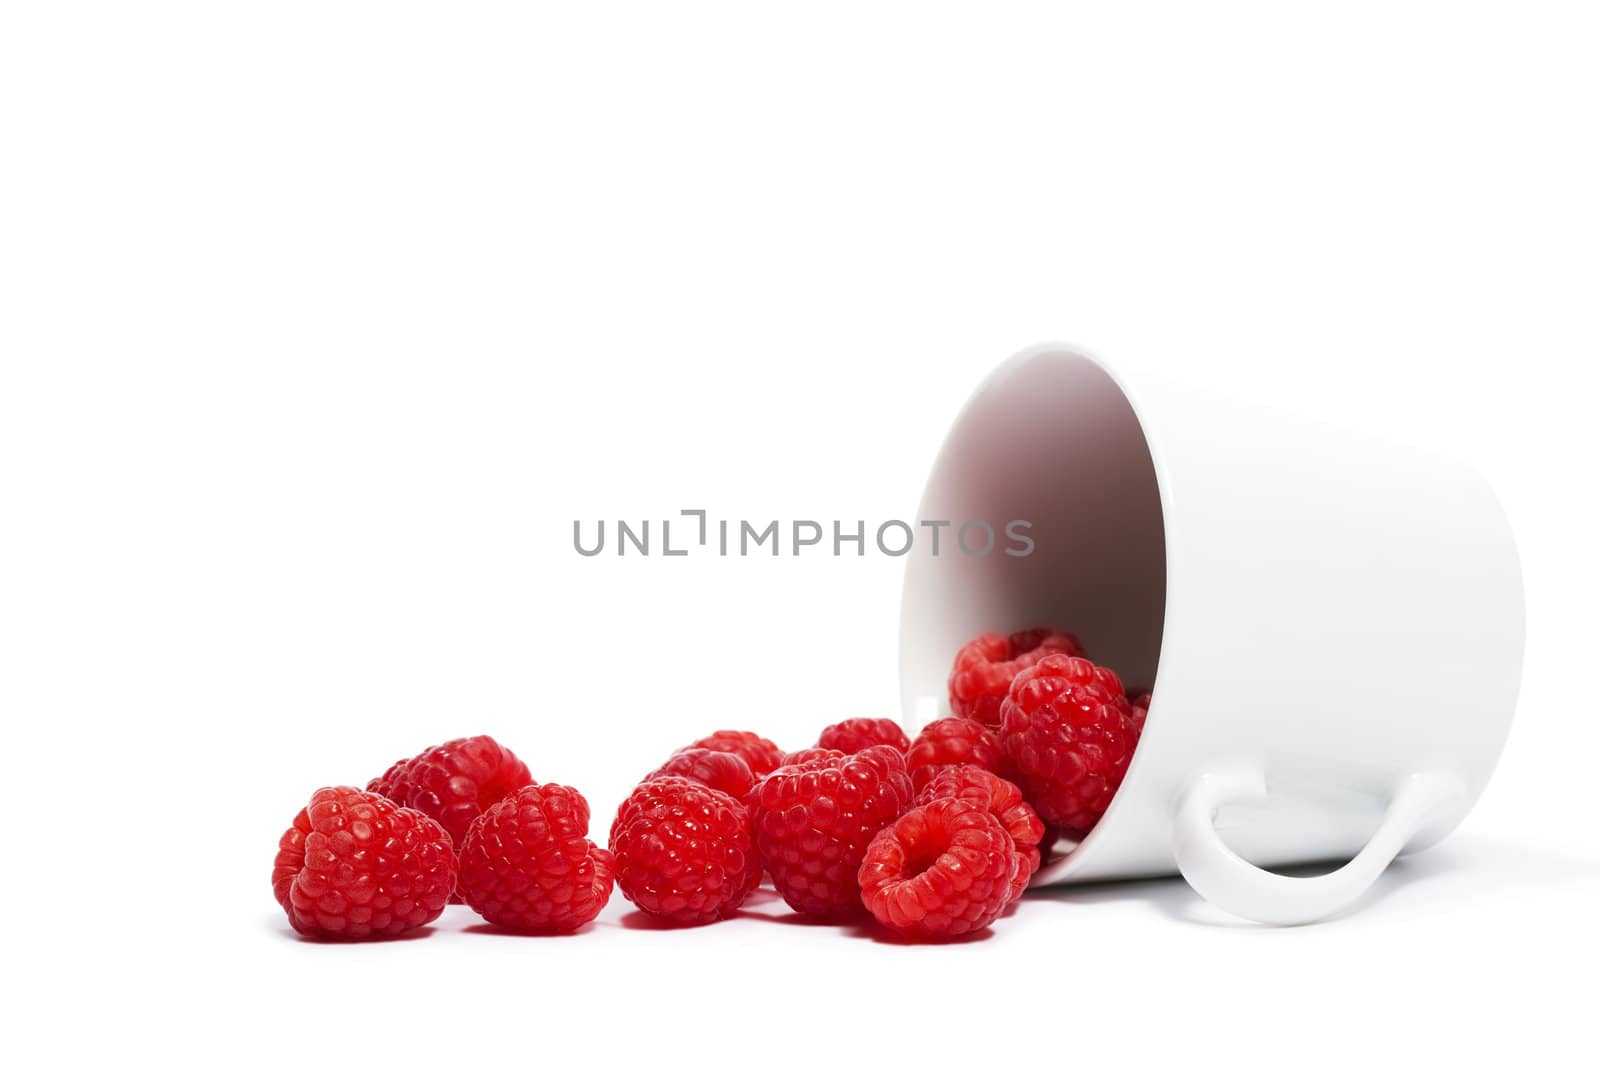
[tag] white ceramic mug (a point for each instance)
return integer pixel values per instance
(1332, 625)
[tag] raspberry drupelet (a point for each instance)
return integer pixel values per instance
(806, 755)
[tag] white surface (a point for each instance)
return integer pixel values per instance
(320, 324)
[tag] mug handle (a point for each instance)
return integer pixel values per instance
(1234, 884)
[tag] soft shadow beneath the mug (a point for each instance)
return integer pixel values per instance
(1174, 898)
(1470, 866)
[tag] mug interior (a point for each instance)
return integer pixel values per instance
(1052, 440)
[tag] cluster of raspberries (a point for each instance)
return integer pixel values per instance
(933, 837)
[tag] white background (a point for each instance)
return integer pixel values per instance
(320, 323)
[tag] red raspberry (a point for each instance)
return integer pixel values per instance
(999, 798)
(853, 735)
(813, 821)
(1069, 732)
(762, 755)
(455, 781)
(806, 755)
(684, 851)
(985, 667)
(720, 770)
(953, 742)
(941, 870)
(355, 865)
(526, 864)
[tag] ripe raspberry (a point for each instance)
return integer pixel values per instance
(853, 735)
(953, 742)
(355, 866)
(720, 770)
(762, 755)
(526, 864)
(1069, 732)
(999, 798)
(813, 820)
(806, 755)
(941, 870)
(684, 851)
(455, 781)
(985, 667)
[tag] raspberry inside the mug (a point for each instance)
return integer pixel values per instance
(1069, 731)
(986, 666)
